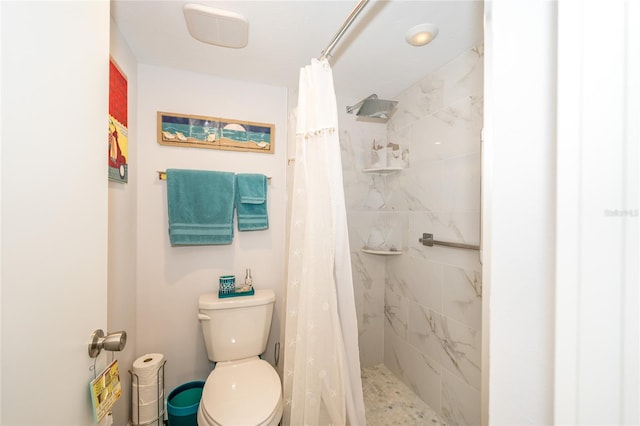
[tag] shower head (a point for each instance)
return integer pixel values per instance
(373, 107)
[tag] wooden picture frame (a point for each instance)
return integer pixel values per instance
(199, 131)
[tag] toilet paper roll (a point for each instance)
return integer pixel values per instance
(146, 394)
(148, 412)
(152, 380)
(148, 369)
(148, 364)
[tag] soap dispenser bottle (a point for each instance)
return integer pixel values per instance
(248, 280)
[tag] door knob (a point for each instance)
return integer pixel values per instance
(113, 342)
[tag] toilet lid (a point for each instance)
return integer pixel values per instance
(241, 392)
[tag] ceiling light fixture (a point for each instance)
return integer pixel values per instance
(421, 34)
(216, 26)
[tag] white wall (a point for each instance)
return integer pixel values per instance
(2, 35)
(518, 212)
(169, 280)
(122, 234)
(54, 207)
(597, 238)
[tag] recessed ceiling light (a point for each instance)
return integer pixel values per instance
(421, 34)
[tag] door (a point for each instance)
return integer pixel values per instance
(597, 323)
(54, 207)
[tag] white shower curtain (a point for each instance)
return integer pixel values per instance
(322, 384)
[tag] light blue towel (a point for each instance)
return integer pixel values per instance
(201, 206)
(251, 202)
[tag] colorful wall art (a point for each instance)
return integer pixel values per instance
(215, 133)
(118, 140)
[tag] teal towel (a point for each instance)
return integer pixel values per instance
(251, 202)
(201, 205)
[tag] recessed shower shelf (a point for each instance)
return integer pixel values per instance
(381, 252)
(383, 170)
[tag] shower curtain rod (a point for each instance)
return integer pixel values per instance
(338, 35)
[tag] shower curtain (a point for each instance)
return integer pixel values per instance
(322, 384)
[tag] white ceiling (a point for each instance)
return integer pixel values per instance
(372, 57)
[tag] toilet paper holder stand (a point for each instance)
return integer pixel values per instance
(135, 382)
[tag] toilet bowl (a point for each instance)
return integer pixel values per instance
(241, 393)
(242, 389)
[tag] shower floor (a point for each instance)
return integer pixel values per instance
(388, 401)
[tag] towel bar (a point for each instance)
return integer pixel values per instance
(427, 240)
(162, 175)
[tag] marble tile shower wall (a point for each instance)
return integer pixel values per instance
(363, 197)
(427, 314)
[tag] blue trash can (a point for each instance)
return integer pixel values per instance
(183, 403)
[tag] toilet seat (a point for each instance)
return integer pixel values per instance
(244, 392)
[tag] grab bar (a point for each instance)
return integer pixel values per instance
(427, 240)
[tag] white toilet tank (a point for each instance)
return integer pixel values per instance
(236, 327)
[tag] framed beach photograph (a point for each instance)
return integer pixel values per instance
(215, 133)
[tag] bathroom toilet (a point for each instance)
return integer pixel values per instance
(242, 389)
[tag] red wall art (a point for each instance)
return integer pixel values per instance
(118, 140)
